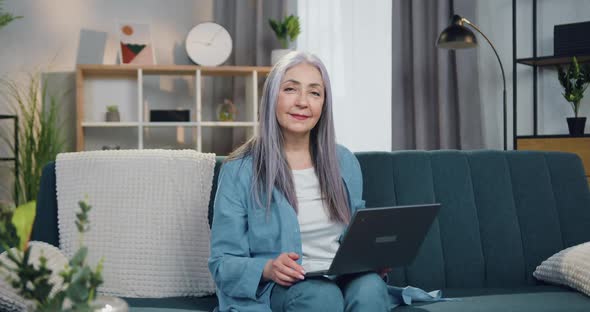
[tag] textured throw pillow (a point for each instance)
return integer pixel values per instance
(10, 301)
(570, 267)
(149, 218)
(56, 261)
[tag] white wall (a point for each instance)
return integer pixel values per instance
(495, 20)
(49, 32)
(353, 38)
(47, 39)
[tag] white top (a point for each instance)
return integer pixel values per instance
(319, 235)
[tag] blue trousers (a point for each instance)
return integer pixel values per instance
(360, 292)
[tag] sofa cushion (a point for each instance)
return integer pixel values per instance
(521, 299)
(569, 267)
(149, 226)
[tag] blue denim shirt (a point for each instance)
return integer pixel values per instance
(244, 237)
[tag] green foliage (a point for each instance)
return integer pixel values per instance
(112, 108)
(80, 282)
(40, 135)
(30, 282)
(23, 219)
(6, 18)
(8, 236)
(286, 30)
(574, 79)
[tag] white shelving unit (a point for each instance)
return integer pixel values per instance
(122, 78)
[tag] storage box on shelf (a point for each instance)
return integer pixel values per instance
(100, 85)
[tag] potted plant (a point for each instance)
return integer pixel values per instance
(286, 31)
(113, 113)
(227, 111)
(40, 133)
(574, 79)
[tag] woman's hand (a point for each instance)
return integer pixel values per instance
(284, 270)
(383, 272)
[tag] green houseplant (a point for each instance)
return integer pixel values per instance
(32, 282)
(113, 113)
(40, 135)
(286, 31)
(574, 78)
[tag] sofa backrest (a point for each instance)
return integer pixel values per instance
(502, 214)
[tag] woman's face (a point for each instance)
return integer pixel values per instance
(301, 98)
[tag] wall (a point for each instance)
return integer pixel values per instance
(47, 39)
(552, 108)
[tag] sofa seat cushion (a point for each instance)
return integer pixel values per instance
(173, 304)
(532, 298)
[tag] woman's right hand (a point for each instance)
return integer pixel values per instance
(284, 270)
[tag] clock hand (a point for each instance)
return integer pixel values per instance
(201, 42)
(215, 35)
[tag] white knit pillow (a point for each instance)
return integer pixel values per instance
(56, 262)
(569, 267)
(148, 221)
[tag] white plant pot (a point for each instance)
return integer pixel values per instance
(277, 54)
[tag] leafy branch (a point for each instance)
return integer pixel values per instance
(6, 18)
(39, 129)
(80, 282)
(574, 79)
(286, 30)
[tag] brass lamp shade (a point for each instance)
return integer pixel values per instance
(456, 36)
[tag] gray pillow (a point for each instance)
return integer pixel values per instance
(56, 261)
(10, 301)
(569, 267)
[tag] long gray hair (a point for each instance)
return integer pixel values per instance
(270, 166)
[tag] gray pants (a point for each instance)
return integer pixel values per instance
(364, 292)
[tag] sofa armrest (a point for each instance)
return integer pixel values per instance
(45, 226)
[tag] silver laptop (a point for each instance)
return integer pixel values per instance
(384, 237)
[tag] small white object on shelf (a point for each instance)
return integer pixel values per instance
(124, 85)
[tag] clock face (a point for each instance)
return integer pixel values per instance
(208, 44)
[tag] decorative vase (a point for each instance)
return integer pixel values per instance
(277, 54)
(227, 111)
(113, 116)
(576, 125)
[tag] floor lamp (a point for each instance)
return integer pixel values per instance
(457, 36)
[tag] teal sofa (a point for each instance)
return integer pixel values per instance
(502, 214)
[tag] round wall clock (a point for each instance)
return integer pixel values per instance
(208, 44)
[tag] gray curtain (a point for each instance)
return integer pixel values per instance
(435, 98)
(253, 41)
(247, 23)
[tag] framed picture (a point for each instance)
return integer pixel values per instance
(135, 44)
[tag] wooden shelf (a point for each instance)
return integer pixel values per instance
(559, 143)
(550, 136)
(109, 124)
(99, 76)
(171, 124)
(552, 60)
(228, 124)
(173, 70)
